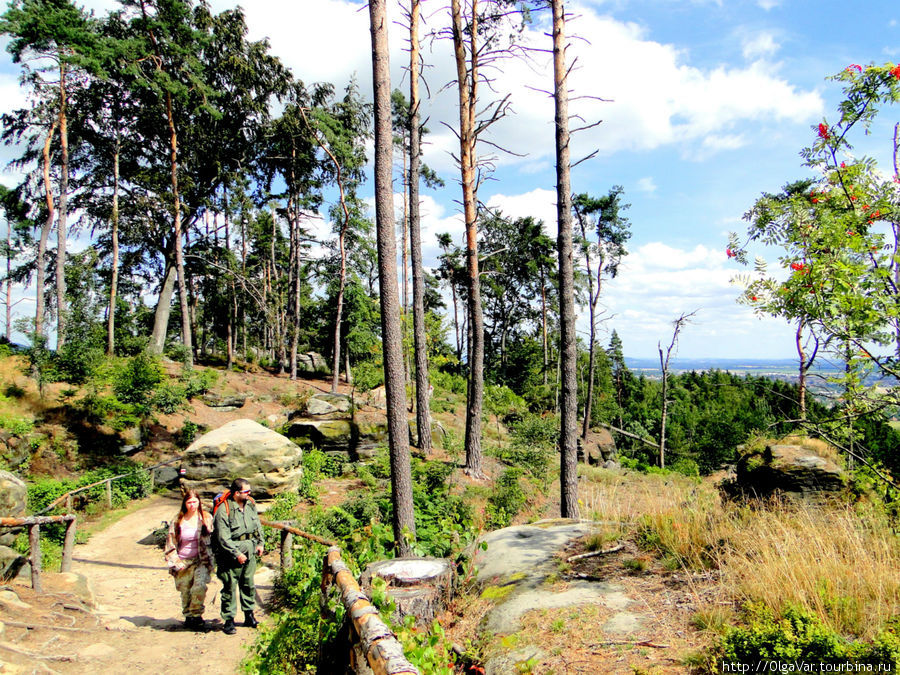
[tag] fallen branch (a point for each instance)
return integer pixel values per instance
(594, 554)
(34, 655)
(627, 643)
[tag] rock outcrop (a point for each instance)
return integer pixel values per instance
(787, 469)
(327, 404)
(243, 449)
(12, 503)
(352, 438)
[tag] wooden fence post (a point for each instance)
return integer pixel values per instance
(68, 546)
(68, 502)
(109, 494)
(34, 543)
(287, 553)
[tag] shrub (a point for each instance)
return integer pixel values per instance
(198, 382)
(135, 382)
(506, 499)
(796, 635)
(168, 398)
(12, 390)
(368, 375)
(187, 433)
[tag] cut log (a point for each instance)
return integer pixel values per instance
(420, 587)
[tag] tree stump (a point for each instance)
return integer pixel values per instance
(420, 587)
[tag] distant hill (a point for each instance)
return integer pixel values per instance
(750, 366)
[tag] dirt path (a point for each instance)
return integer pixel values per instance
(137, 624)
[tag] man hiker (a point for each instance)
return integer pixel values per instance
(239, 537)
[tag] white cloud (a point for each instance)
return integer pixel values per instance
(646, 184)
(658, 282)
(768, 4)
(759, 46)
(540, 204)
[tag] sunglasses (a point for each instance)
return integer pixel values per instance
(243, 492)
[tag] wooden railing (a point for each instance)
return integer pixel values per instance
(33, 523)
(373, 638)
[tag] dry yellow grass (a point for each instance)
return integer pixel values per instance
(839, 562)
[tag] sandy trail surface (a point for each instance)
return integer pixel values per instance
(136, 624)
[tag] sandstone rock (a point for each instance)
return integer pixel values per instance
(327, 404)
(13, 564)
(353, 439)
(225, 403)
(12, 503)
(69, 582)
(788, 468)
(243, 449)
(377, 398)
(311, 361)
(10, 601)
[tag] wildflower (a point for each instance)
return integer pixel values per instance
(877, 213)
(753, 298)
(823, 131)
(865, 207)
(854, 66)
(853, 198)
(843, 165)
(730, 253)
(895, 71)
(815, 200)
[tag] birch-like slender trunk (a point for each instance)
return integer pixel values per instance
(40, 265)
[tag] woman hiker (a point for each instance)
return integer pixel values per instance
(189, 557)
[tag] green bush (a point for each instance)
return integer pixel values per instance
(198, 382)
(368, 375)
(448, 382)
(12, 390)
(282, 509)
(137, 379)
(18, 426)
(796, 635)
(168, 397)
(505, 500)
(187, 433)
(686, 467)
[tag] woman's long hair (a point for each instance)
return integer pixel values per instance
(201, 514)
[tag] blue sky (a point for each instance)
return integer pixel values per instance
(709, 105)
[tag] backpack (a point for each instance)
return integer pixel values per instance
(221, 498)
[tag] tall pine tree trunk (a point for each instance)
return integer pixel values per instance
(40, 265)
(423, 389)
(62, 216)
(179, 249)
(568, 404)
(467, 81)
(395, 389)
(114, 281)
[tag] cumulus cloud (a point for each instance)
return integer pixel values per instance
(658, 282)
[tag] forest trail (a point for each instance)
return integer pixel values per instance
(136, 626)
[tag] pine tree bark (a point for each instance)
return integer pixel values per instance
(40, 270)
(114, 281)
(163, 306)
(61, 224)
(423, 388)
(395, 390)
(467, 84)
(568, 404)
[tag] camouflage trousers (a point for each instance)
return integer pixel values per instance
(191, 582)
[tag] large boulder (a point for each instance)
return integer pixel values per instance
(13, 564)
(312, 362)
(327, 404)
(354, 439)
(243, 449)
(13, 493)
(787, 469)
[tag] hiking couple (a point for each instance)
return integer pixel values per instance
(233, 535)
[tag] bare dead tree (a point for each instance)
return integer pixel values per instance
(664, 360)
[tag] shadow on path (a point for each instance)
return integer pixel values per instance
(115, 564)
